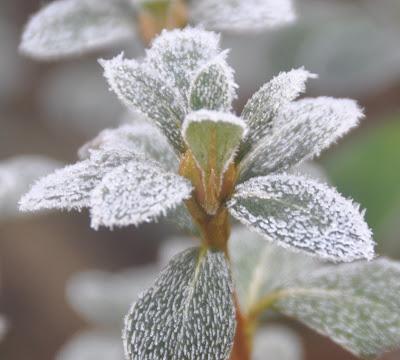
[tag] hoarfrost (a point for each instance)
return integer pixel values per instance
(303, 214)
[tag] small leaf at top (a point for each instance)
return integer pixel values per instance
(213, 87)
(188, 314)
(213, 138)
(70, 27)
(303, 214)
(356, 305)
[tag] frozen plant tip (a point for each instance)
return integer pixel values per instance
(72, 27)
(196, 163)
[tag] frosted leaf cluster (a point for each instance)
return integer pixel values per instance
(71, 27)
(16, 174)
(167, 321)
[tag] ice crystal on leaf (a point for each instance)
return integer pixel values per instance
(71, 27)
(167, 321)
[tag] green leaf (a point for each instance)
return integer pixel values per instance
(213, 137)
(356, 305)
(303, 214)
(259, 267)
(213, 87)
(71, 27)
(188, 314)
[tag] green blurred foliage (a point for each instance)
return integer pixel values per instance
(367, 169)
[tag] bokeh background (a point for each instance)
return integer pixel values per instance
(53, 108)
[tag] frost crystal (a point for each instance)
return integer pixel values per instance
(356, 305)
(168, 321)
(69, 27)
(242, 15)
(134, 193)
(302, 129)
(303, 214)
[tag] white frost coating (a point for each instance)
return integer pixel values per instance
(104, 298)
(260, 267)
(70, 27)
(16, 175)
(262, 107)
(356, 305)
(303, 214)
(242, 15)
(141, 138)
(144, 89)
(70, 187)
(302, 129)
(177, 55)
(213, 87)
(136, 192)
(90, 345)
(278, 343)
(188, 314)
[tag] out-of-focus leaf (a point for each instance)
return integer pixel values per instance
(277, 343)
(213, 138)
(356, 305)
(70, 27)
(302, 214)
(365, 167)
(136, 192)
(213, 87)
(243, 15)
(260, 267)
(188, 313)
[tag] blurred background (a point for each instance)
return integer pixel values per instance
(51, 109)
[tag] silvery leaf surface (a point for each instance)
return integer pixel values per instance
(191, 303)
(136, 192)
(242, 15)
(303, 214)
(146, 91)
(213, 137)
(71, 27)
(213, 87)
(356, 305)
(262, 107)
(103, 298)
(16, 175)
(260, 267)
(89, 345)
(141, 138)
(279, 342)
(302, 130)
(70, 187)
(178, 55)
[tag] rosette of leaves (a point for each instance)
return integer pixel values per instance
(72, 27)
(198, 164)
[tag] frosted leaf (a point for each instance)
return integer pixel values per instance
(213, 87)
(16, 174)
(310, 169)
(3, 327)
(263, 106)
(302, 130)
(70, 187)
(356, 305)
(181, 218)
(278, 342)
(242, 15)
(213, 138)
(259, 267)
(177, 55)
(136, 192)
(104, 298)
(141, 138)
(188, 313)
(303, 214)
(90, 345)
(70, 27)
(147, 92)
